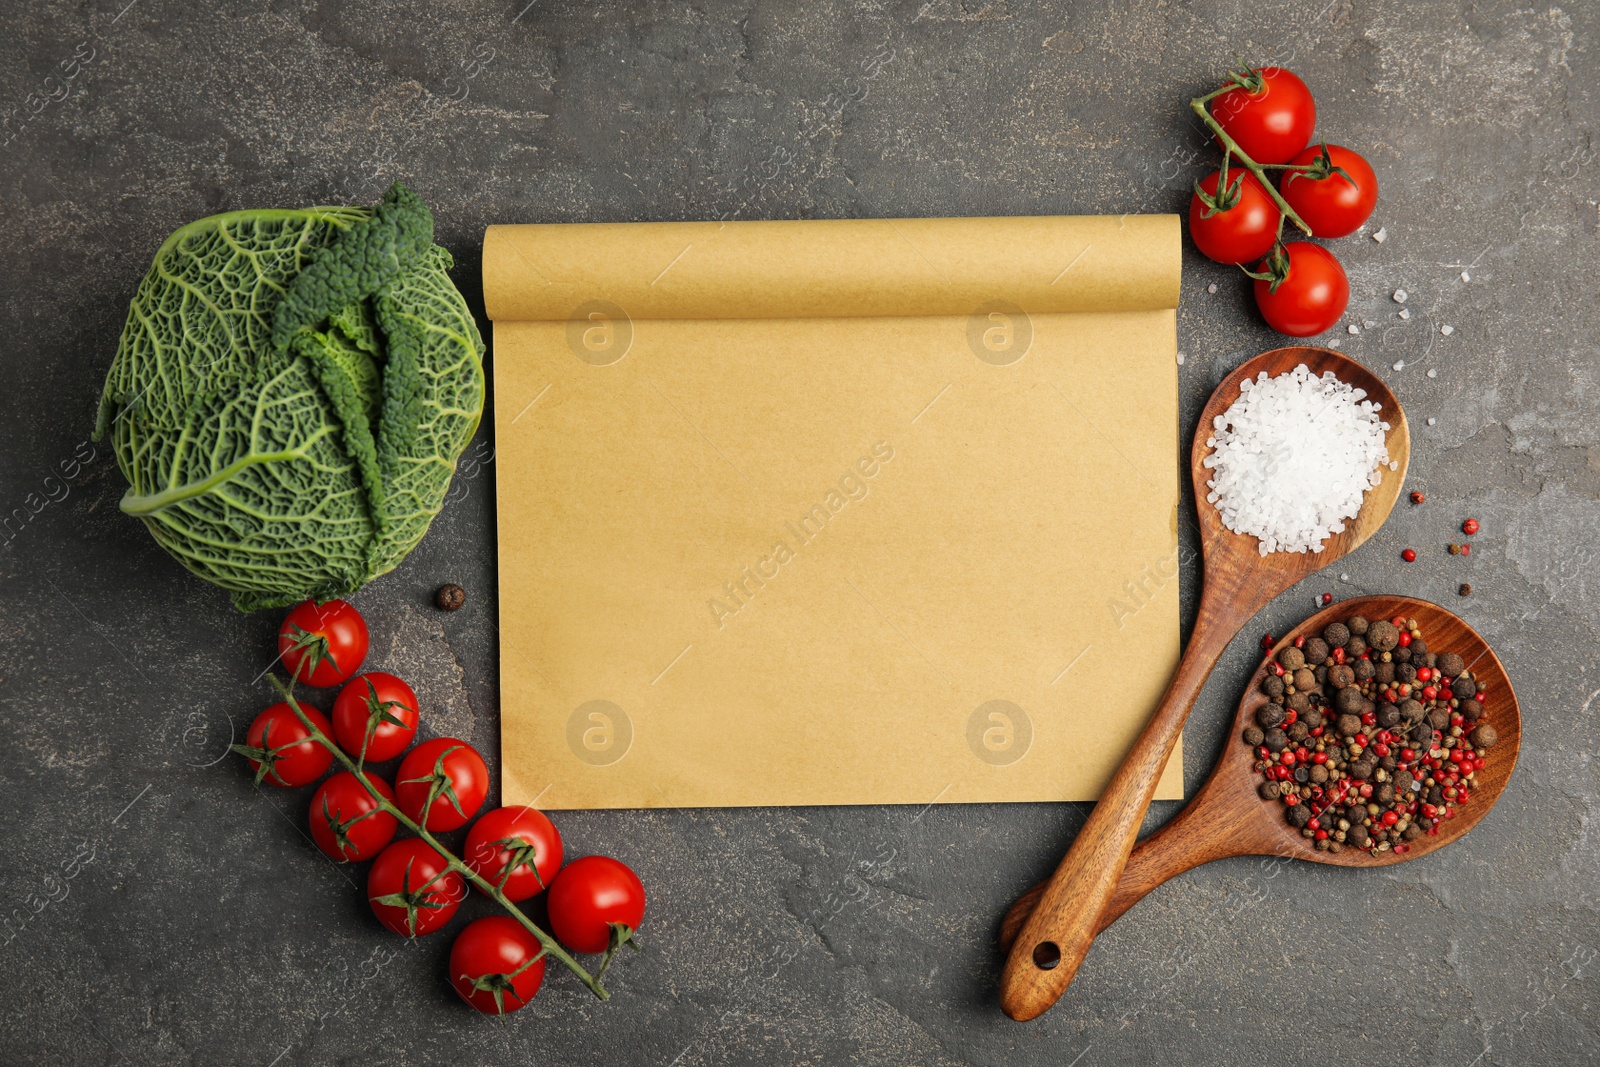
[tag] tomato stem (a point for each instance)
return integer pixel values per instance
(1230, 145)
(549, 943)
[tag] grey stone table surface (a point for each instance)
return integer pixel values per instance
(158, 910)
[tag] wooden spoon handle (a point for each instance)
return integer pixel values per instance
(1057, 936)
(1214, 826)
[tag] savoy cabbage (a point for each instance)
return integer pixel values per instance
(290, 395)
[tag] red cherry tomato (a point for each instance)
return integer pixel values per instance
(347, 823)
(496, 965)
(516, 848)
(280, 749)
(375, 716)
(442, 783)
(412, 889)
(1310, 297)
(323, 644)
(595, 903)
(1271, 119)
(1243, 225)
(1334, 204)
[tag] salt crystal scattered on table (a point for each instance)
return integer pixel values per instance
(1433, 372)
(1293, 457)
(1211, 288)
(1399, 364)
(1432, 420)
(1344, 577)
(1405, 313)
(1367, 324)
(1400, 296)
(1333, 343)
(1381, 236)
(1353, 328)
(1465, 276)
(1180, 359)
(1447, 330)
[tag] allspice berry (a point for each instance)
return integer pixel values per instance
(450, 597)
(1253, 735)
(1450, 664)
(1485, 736)
(1291, 659)
(1357, 624)
(1382, 635)
(1336, 633)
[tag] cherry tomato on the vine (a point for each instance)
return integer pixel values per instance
(1240, 224)
(1270, 117)
(1337, 195)
(441, 783)
(1310, 292)
(346, 822)
(280, 749)
(323, 644)
(412, 889)
(596, 903)
(375, 716)
(496, 964)
(516, 848)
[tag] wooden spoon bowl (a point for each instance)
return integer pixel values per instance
(1228, 818)
(1238, 582)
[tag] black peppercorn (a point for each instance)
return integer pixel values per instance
(1401, 654)
(1411, 710)
(1439, 717)
(1312, 718)
(1465, 589)
(1357, 835)
(450, 597)
(1464, 688)
(1300, 702)
(1361, 770)
(1405, 673)
(1302, 774)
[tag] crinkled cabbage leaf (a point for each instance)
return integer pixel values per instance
(290, 395)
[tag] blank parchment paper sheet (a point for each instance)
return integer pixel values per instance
(833, 512)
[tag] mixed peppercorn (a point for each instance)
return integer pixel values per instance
(1368, 739)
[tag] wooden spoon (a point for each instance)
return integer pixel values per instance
(1228, 818)
(1238, 582)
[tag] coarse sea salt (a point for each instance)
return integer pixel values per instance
(1293, 457)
